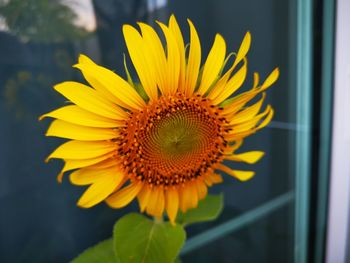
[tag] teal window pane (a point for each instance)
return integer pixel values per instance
(263, 240)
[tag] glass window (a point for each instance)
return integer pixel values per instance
(264, 219)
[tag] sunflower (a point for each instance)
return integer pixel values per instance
(161, 140)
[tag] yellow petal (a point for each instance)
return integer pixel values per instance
(68, 130)
(243, 49)
(77, 115)
(91, 79)
(252, 123)
(233, 84)
(240, 175)
(239, 136)
(99, 190)
(256, 80)
(193, 200)
(89, 99)
(182, 200)
(194, 61)
(120, 90)
(267, 120)
(208, 180)
(246, 128)
(87, 176)
(271, 79)
(230, 149)
(156, 202)
(159, 208)
(216, 178)
(153, 201)
(74, 164)
(239, 101)
(248, 113)
(174, 27)
(173, 61)
(213, 64)
(220, 85)
(202, 189)
(124, 196)
(59, 177)
(155, 56)
(172, 203)
(247, 157)
(105, 164)
(188, 197)
(134, 43)
(96, 193)
(211, 179)
(236, 103)
(82, 150)
(144, 197)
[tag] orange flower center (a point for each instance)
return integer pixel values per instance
(174, 140)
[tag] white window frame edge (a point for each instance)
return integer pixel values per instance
(339, 194)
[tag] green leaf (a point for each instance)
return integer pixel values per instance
(208, 209)
(100, 253)
(140, 240)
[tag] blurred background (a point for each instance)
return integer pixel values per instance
(281, 215)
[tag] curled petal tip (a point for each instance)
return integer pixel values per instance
(60, 178)
(40, 118)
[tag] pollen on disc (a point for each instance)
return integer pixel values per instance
(172, 140)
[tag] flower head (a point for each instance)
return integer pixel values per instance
(161, 141)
